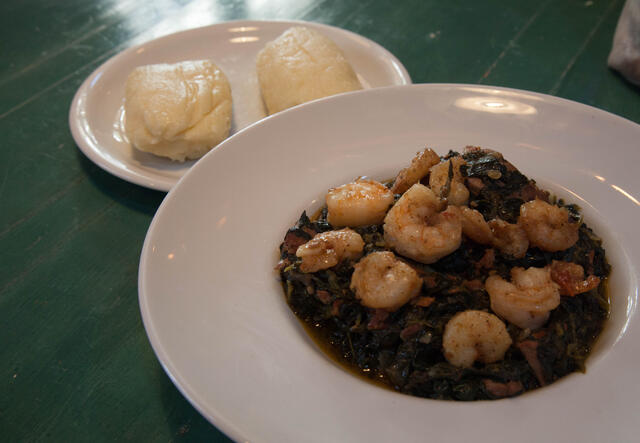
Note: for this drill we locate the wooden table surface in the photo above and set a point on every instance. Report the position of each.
(75, 363)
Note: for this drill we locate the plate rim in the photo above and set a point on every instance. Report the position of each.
(99, 155)
(220, 420)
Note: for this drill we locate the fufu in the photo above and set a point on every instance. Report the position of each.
(179, 111)
(302, 65)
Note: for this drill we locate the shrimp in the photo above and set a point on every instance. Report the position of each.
(475, 227)
(570, 277)
(527, 300)
(457, 194)
(511, 239)
(414, 228)
(419, 167)
(547, 226)
(475, 336)
(360, 203)
(380, 280)
(327, 249)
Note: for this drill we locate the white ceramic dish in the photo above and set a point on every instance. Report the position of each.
(96, 114)
(214, 310)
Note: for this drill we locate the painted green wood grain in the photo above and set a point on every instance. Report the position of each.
(93, 40)
(447, 42)
(538, 59)
(76, 363)
(89, 346)
(82, 355)
(96, 39)
(589, 81)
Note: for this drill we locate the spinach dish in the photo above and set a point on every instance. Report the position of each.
(460, 279)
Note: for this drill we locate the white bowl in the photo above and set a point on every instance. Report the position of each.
(216, 316)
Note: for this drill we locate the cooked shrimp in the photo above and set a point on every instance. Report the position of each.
(475, 336)
(475, 226)
(327, 249)
(380, 280)
(547, 226)
(527, 300)
(457, 194)
(414, 228)
(509, 238)
(412, 174)
(570, 277)
(360, 203)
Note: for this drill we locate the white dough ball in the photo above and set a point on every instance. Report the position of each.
(302, 65)
(179, 111)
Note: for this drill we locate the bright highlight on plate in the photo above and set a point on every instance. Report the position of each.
(502, 106)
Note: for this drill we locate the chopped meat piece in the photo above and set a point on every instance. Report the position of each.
(293, 239)
(410, 331)
(324, 296)
(529, 349)
(531, 192)
(430, 281)
(487, 259)
(335, 307)
(474, 285)
(424, 301)
(378, 319)
(500, 390)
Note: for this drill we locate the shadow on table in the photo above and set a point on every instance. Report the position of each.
(184, 422)
(128, 194)
(632, 86)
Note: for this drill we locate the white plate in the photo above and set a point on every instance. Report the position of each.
(96, 112)
(214, 309)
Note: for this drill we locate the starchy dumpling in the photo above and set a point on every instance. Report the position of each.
(302, 65)
(179, 111)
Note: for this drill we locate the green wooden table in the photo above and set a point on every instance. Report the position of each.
(75, 363)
